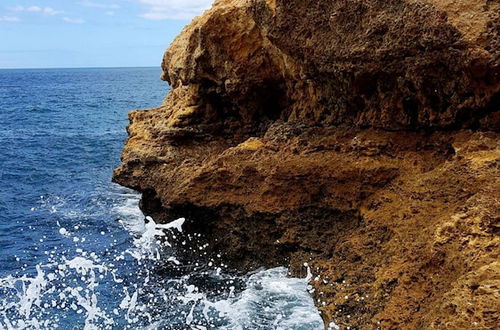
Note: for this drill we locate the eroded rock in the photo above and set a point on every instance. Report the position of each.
(358, 136)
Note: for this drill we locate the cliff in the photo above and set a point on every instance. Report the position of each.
(358, 136)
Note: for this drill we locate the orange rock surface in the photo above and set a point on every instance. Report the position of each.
(359, 137)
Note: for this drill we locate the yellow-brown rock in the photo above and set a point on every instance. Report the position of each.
(358, 136)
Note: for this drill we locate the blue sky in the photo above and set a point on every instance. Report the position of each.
(90, 33)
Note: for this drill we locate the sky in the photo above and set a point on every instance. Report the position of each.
(90, 33)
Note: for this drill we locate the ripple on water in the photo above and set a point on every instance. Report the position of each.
(119, 287)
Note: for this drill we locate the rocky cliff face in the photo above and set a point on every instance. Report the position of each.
(358, 136)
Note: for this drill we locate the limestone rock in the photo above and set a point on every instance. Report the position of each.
(358, 136)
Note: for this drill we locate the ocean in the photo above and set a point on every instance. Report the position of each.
(75, 250)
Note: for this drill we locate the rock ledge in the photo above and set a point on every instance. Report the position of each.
(358, 136)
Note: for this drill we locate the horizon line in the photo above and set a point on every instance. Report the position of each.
(81, 67)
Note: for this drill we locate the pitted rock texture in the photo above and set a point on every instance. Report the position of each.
(358, 136)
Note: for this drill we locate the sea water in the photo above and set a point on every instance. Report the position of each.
(75, 250)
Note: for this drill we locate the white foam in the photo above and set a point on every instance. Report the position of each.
(36, 293)
(71, 286)
(30, 295)
(130, 215)
(63, 232)
(147, 245)
(177, 225)
(270, 295)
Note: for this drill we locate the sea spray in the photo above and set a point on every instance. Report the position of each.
(69, 288)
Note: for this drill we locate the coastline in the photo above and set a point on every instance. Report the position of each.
(367, 149)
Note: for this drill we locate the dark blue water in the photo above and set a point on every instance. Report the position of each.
(75, 252)
(61, 136)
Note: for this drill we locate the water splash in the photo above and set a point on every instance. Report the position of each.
(120, 287)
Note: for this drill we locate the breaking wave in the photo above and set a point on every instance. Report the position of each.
(118, 287)
(75, 250)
